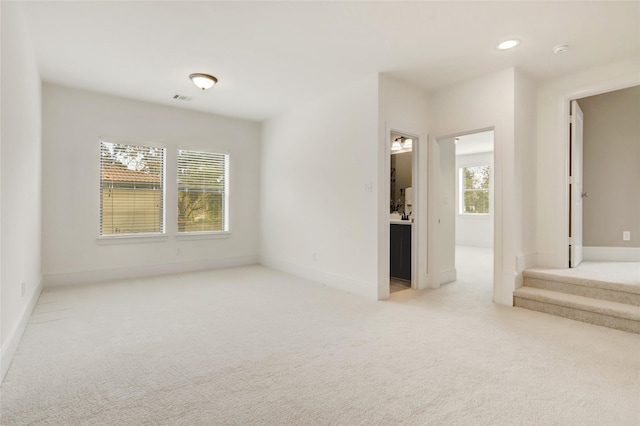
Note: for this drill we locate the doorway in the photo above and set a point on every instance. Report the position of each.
(401, 212)
(604, 207)
(474, 209)
(466, 209)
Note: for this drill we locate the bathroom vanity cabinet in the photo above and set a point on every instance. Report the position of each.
(400, 251)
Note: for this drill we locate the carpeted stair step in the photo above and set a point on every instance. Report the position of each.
(606, 313)
(587, 287)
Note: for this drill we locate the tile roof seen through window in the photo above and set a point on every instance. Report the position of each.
(122, 174)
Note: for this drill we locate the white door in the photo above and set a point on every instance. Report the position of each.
(433, 221)
(575, 187)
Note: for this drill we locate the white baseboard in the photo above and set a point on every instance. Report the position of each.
(551, 260)
(503, 290)
(350, 285)
(448, 276)
(88, 277)
(526, 261)
(611, 254)
(15, 334)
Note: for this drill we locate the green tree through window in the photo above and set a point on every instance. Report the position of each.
(475, 190)
(202, 191)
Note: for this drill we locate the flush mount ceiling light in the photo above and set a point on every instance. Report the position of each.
(203, 81)
(508, 44)
(561, 48)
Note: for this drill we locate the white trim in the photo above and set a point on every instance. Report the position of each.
(131, 238)
(461, 189)
(483, 216)
(85, 277)
(611, 254)
(500, 281)
(213, 235)
(132, 141)
(524, 261)
(448, 276)
(585, 90)
(340, 282)
(503, 291)
(415, 211)
(15, 335)
(116, 140)
(418, 278)
(384, 229)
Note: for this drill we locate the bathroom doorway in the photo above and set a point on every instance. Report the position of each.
(401, 212)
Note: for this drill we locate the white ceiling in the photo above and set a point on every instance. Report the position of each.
(475, 143)
(270, 56)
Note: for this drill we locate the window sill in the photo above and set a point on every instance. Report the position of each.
(186, 236)
(131, 239)
(480, 216)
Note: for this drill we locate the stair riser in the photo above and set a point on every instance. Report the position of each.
(580, 290)
(623, 324)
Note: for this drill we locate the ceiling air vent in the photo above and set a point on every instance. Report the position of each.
(181, 97)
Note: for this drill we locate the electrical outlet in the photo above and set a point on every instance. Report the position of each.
(626, 235)
(23, 288)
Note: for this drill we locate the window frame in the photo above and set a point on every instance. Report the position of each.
(462, 190)
(225, 231)
(141, 236)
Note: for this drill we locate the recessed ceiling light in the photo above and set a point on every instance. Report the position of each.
(508, 44)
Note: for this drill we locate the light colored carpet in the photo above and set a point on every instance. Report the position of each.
(620, 272)
(250, 345)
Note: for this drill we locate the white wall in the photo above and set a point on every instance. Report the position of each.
(480, 104)
(319, 189)
(402, 108)
(525, 191)
(73, 122)
(474, 230)
(447, 215)
(553, 98)
(20, 181)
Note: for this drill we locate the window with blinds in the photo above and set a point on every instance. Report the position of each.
(131, 189)
(202, 191)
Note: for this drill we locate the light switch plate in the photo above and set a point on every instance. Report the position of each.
(626, 235)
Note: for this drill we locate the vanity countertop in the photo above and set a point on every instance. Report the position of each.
(400, 222)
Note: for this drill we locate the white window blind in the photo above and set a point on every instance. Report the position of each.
(202, 191)
(131, 189)
(474, 182)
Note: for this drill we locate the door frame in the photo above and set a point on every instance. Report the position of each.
(589, 90)
(433, 230)
(418, 229)
(576, 150)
